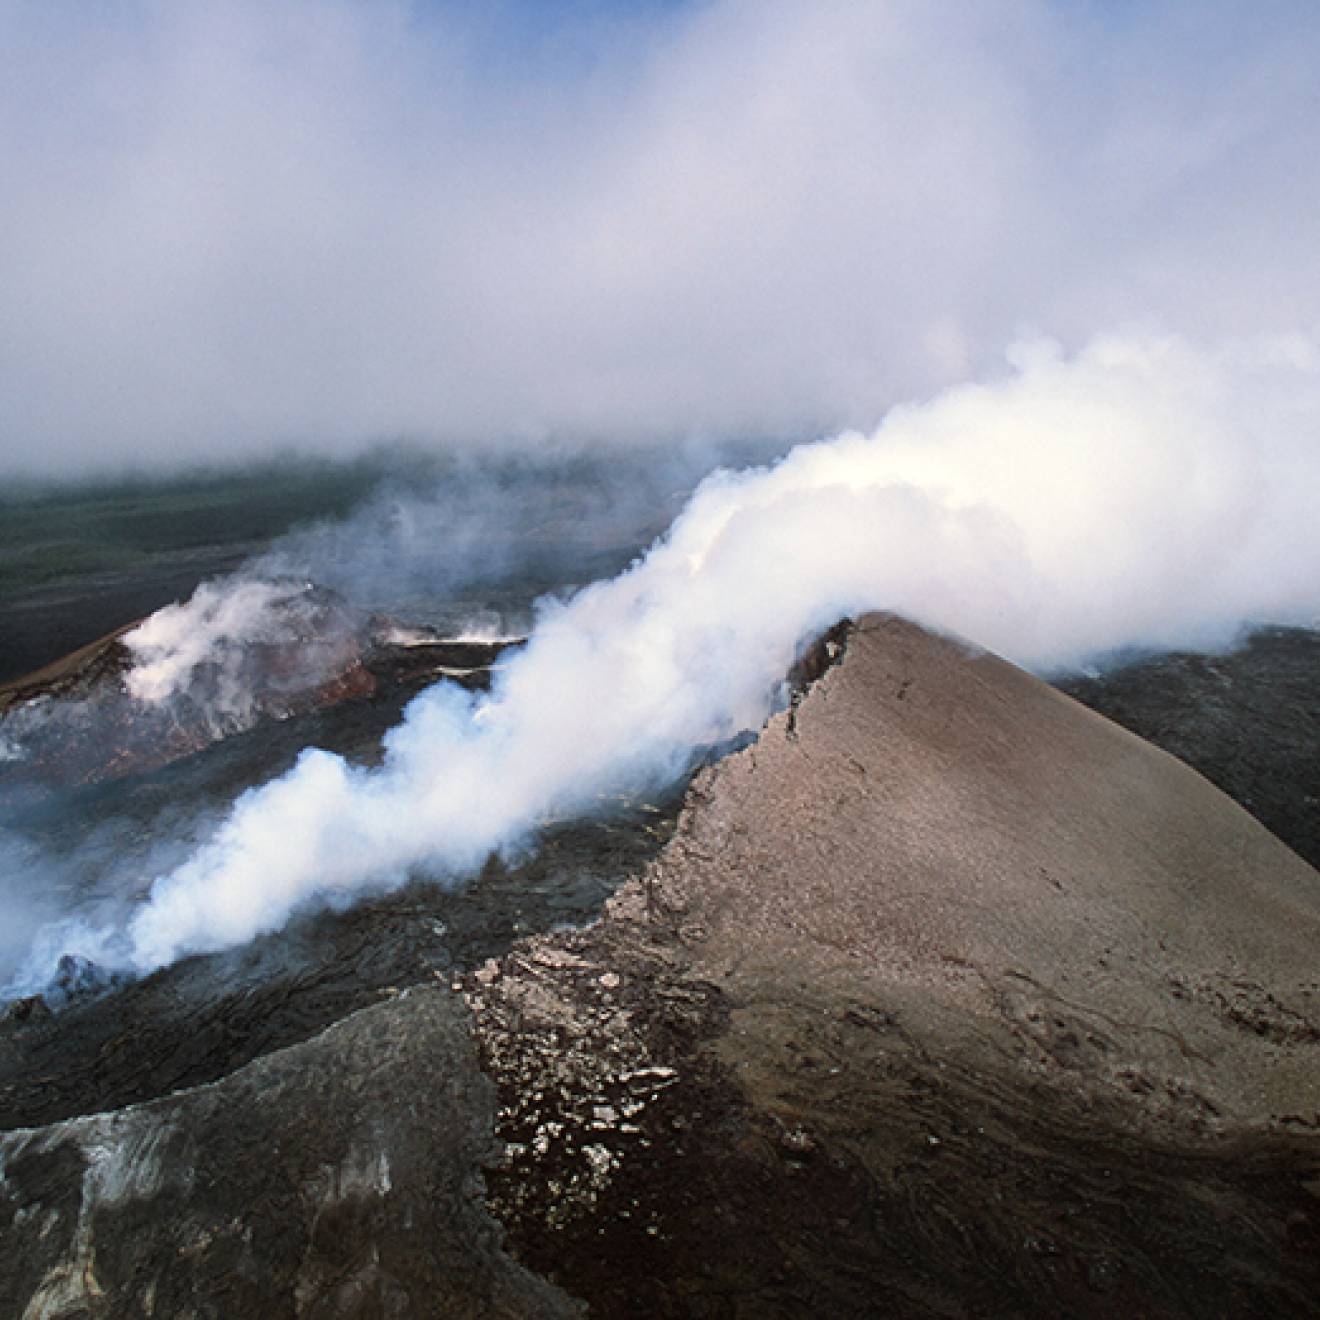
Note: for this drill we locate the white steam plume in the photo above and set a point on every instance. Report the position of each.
(212, 630)
(1145, 491)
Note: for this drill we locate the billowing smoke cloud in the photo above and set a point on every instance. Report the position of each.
(71, 895)
(226, 225)
(1144, 491)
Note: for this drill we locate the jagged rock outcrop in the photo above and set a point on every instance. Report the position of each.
(947, 997)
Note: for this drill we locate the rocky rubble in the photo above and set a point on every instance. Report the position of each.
(583, 1043)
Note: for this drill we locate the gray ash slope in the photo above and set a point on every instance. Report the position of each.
(1249, 720)
(947, 997)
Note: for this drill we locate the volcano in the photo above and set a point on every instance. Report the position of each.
(946, 995)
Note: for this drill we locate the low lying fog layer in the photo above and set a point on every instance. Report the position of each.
(1145, 491)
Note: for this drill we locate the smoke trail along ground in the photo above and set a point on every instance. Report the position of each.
(1144, 492)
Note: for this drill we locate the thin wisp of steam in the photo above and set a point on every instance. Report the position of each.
(1143, 492)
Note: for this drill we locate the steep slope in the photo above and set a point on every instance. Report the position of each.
(1249, 720)
(944, 830)
(961, 998)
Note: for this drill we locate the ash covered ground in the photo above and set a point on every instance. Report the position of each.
(637, 1162)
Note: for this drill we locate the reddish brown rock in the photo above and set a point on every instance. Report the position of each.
(77, 721)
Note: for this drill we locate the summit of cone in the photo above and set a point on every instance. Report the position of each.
(933, 827)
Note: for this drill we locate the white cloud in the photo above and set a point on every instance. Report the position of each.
(227, 226)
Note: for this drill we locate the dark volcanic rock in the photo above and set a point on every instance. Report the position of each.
(204, 1017)
(1248, 720)
(336, 1178)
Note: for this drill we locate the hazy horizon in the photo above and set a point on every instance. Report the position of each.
(231, 230)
